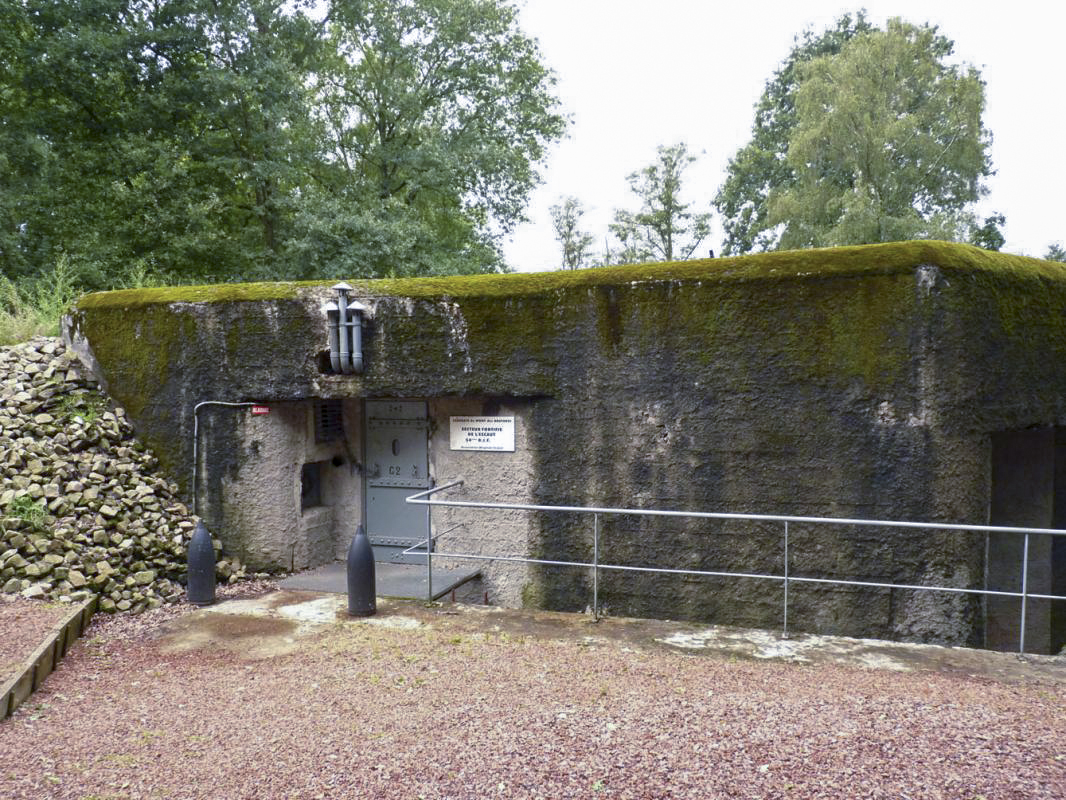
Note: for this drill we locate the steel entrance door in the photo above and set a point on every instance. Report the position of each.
(397, 466)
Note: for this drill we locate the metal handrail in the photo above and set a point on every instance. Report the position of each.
(426, 498)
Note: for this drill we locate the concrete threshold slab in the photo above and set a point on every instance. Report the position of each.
(296, 614)
(392, 580)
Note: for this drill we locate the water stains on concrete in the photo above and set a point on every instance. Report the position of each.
(281, 622)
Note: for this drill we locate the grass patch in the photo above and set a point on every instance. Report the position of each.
(26, 509)
(35, 307)
(83, 405)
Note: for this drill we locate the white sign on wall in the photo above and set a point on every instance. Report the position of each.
(483, 433)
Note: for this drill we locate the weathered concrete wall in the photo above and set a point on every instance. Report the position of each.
(794, 397)
(503, 477)
(854, 382)
(250, 488)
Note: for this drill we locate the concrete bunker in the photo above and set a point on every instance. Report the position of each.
(879, 382)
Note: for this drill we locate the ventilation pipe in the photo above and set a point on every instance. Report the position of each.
(355, 322)
(332, 318)
(345, 320)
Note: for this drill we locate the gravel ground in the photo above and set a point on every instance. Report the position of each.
(397, 708)
(23, 626)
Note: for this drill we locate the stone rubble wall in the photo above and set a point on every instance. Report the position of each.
(83, 509)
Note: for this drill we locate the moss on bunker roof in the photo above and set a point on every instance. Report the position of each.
(877, 259)
(213, 293)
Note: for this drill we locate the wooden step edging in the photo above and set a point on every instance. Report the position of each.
(31, 673)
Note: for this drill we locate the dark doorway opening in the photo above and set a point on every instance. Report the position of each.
(1028, 491)
(311, 485)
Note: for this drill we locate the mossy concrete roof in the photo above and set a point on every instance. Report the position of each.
(857, 261)
(978, 337)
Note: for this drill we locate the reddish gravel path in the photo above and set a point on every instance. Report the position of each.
(362, 711)
(24, 624)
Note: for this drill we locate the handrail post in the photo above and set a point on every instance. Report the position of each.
(429, 549)
(1025, 592)
(784, 631)
(596, 567)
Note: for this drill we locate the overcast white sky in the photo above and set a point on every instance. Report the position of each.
(635, 74)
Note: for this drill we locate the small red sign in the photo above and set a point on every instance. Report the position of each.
(258, 410)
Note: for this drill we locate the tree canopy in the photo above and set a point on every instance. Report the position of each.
(574, 243)
(761, 165)
(664, 228)
(865, 135)
(247, 139)
(1055, 252)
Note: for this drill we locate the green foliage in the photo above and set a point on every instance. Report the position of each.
(53, 293)
(664, 229)
(169, 132)
(208, 140)
(18, 322)
(864, 136)
(888, 144)
(762, 165)
(1055, 252)
(140, 275)
(990, 235)
(34, 306)
(436, 111)
(576, 245)
(28, 511)
(84, 405)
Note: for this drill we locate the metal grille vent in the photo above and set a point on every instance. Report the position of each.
(329, 420)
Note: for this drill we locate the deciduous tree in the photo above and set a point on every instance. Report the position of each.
(762, 165)
(888, 144)
(990, 234)
(436, 112)
(575, 244)
(171, 132)
(246, 139)
(865, 135)
(1055, 252)
(665, 228)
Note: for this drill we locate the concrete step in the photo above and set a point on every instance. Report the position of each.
(392, 580)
